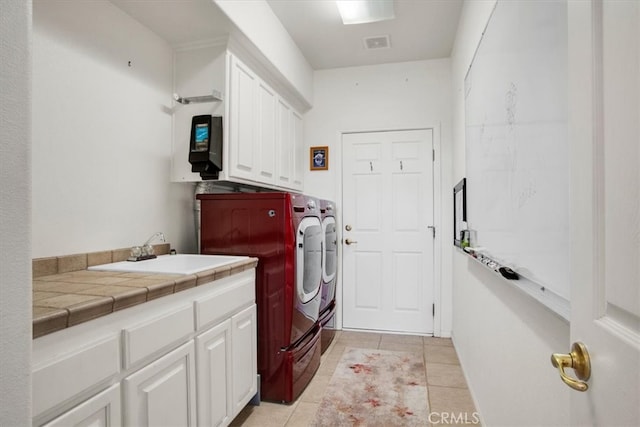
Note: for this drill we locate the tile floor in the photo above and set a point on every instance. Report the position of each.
(449, 396)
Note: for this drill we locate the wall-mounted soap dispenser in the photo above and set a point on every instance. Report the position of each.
(205, 148)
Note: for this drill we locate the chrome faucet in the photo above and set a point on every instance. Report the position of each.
(139, 253)
(159, 234)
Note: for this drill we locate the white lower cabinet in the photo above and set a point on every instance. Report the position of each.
(101, 410)
(227, 368)
(189, 359)
(163, 393)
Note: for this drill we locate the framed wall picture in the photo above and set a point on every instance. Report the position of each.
(319, 158)
(459, 210)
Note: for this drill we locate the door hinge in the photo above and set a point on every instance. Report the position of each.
(433, 310)
(433, 155)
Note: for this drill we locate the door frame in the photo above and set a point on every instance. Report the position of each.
(441, 295)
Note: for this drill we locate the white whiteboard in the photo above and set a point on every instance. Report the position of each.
(517, 150)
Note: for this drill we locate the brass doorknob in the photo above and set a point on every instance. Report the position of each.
(579, 361)
(350, 242)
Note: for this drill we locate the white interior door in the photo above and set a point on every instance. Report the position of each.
(604, 49)
(388, 252)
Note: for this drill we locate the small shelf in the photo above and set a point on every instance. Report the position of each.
(552, 301)
(216, 96)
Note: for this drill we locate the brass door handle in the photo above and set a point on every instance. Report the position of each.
(579, 361)
(350, 242)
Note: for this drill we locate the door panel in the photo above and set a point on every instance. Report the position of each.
(244, 360)
(163, 392)
(388, 253)
(368, 275)
(214, 361)
(285, 146)
(367, 207)
(406, 267)
(299, 159)
(266, 133)
(243, 120)
(604, 47)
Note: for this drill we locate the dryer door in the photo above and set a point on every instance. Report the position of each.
(309, 241)
(330, 253)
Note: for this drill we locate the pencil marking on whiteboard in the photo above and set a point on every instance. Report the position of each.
(511, 101)
(526, 194)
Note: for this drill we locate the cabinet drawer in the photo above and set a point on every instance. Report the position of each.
(224, 304)
(146, 338)
(74, 373)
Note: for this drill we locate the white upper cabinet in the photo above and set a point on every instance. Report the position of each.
(265, 132)
(262, 132)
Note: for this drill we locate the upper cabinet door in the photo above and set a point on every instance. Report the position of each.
(266, 134)
(285, 145)
(242, 120)
(299, 160)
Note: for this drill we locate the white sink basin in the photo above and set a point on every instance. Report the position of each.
(172, 264)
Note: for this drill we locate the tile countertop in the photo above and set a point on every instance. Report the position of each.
(67, 299)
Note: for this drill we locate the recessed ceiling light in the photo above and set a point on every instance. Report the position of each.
(365, 11)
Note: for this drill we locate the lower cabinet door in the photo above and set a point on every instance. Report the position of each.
(213, 349)
(163, 393)
(245, 357)
(101, 410)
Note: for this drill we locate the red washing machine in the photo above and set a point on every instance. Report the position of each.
(329, 273)
(284, 231)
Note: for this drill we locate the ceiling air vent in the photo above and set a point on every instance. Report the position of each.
(377, 42)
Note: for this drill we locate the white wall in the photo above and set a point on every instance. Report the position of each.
(504, 339)
(102, 133)
(383, 97)
(15, 207)
(261, 26)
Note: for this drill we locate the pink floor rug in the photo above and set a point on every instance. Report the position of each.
(375, 388)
